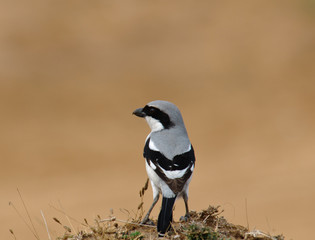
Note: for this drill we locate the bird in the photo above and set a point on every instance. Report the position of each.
(169, 159)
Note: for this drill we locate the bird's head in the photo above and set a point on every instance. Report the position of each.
(160, 115)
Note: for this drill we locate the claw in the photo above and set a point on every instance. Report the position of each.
(147, 221)
(184, 218)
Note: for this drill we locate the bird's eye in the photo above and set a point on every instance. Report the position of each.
(152, 110)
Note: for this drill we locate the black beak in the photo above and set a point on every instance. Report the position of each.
(139, 112)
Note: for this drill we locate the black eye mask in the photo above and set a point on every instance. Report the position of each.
(158, 115)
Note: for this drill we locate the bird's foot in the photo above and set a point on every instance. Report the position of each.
(184, 218)
(147, 221)
(161, 236)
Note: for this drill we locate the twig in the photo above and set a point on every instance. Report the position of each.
(11, 231)
(28, 226)
(63, 212)
(123, 221)
(246, 214)
(204, 220)
(217, 225)
(218, 213)
(268, 225)
(29, 217)
(49, 237)
(68, 219)
(257, 233)
(107, 220)
(176, 233)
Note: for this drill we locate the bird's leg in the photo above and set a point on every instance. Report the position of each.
(187, 215)
(186, 206)
(146, 218)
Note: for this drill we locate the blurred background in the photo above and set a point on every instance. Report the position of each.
(242, 73)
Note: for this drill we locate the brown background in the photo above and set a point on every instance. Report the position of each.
(242, 73)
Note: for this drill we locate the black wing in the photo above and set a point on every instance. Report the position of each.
(179, 162)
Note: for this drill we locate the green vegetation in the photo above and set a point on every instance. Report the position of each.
(194, 232)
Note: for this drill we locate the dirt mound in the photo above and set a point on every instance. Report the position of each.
(207, 224)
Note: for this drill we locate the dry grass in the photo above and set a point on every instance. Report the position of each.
(207, 224)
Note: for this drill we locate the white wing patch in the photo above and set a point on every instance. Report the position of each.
(189, 148)
(152, 146)
(192, 168)
(152, 165)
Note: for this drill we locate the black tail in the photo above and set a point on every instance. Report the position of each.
(166, 215)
